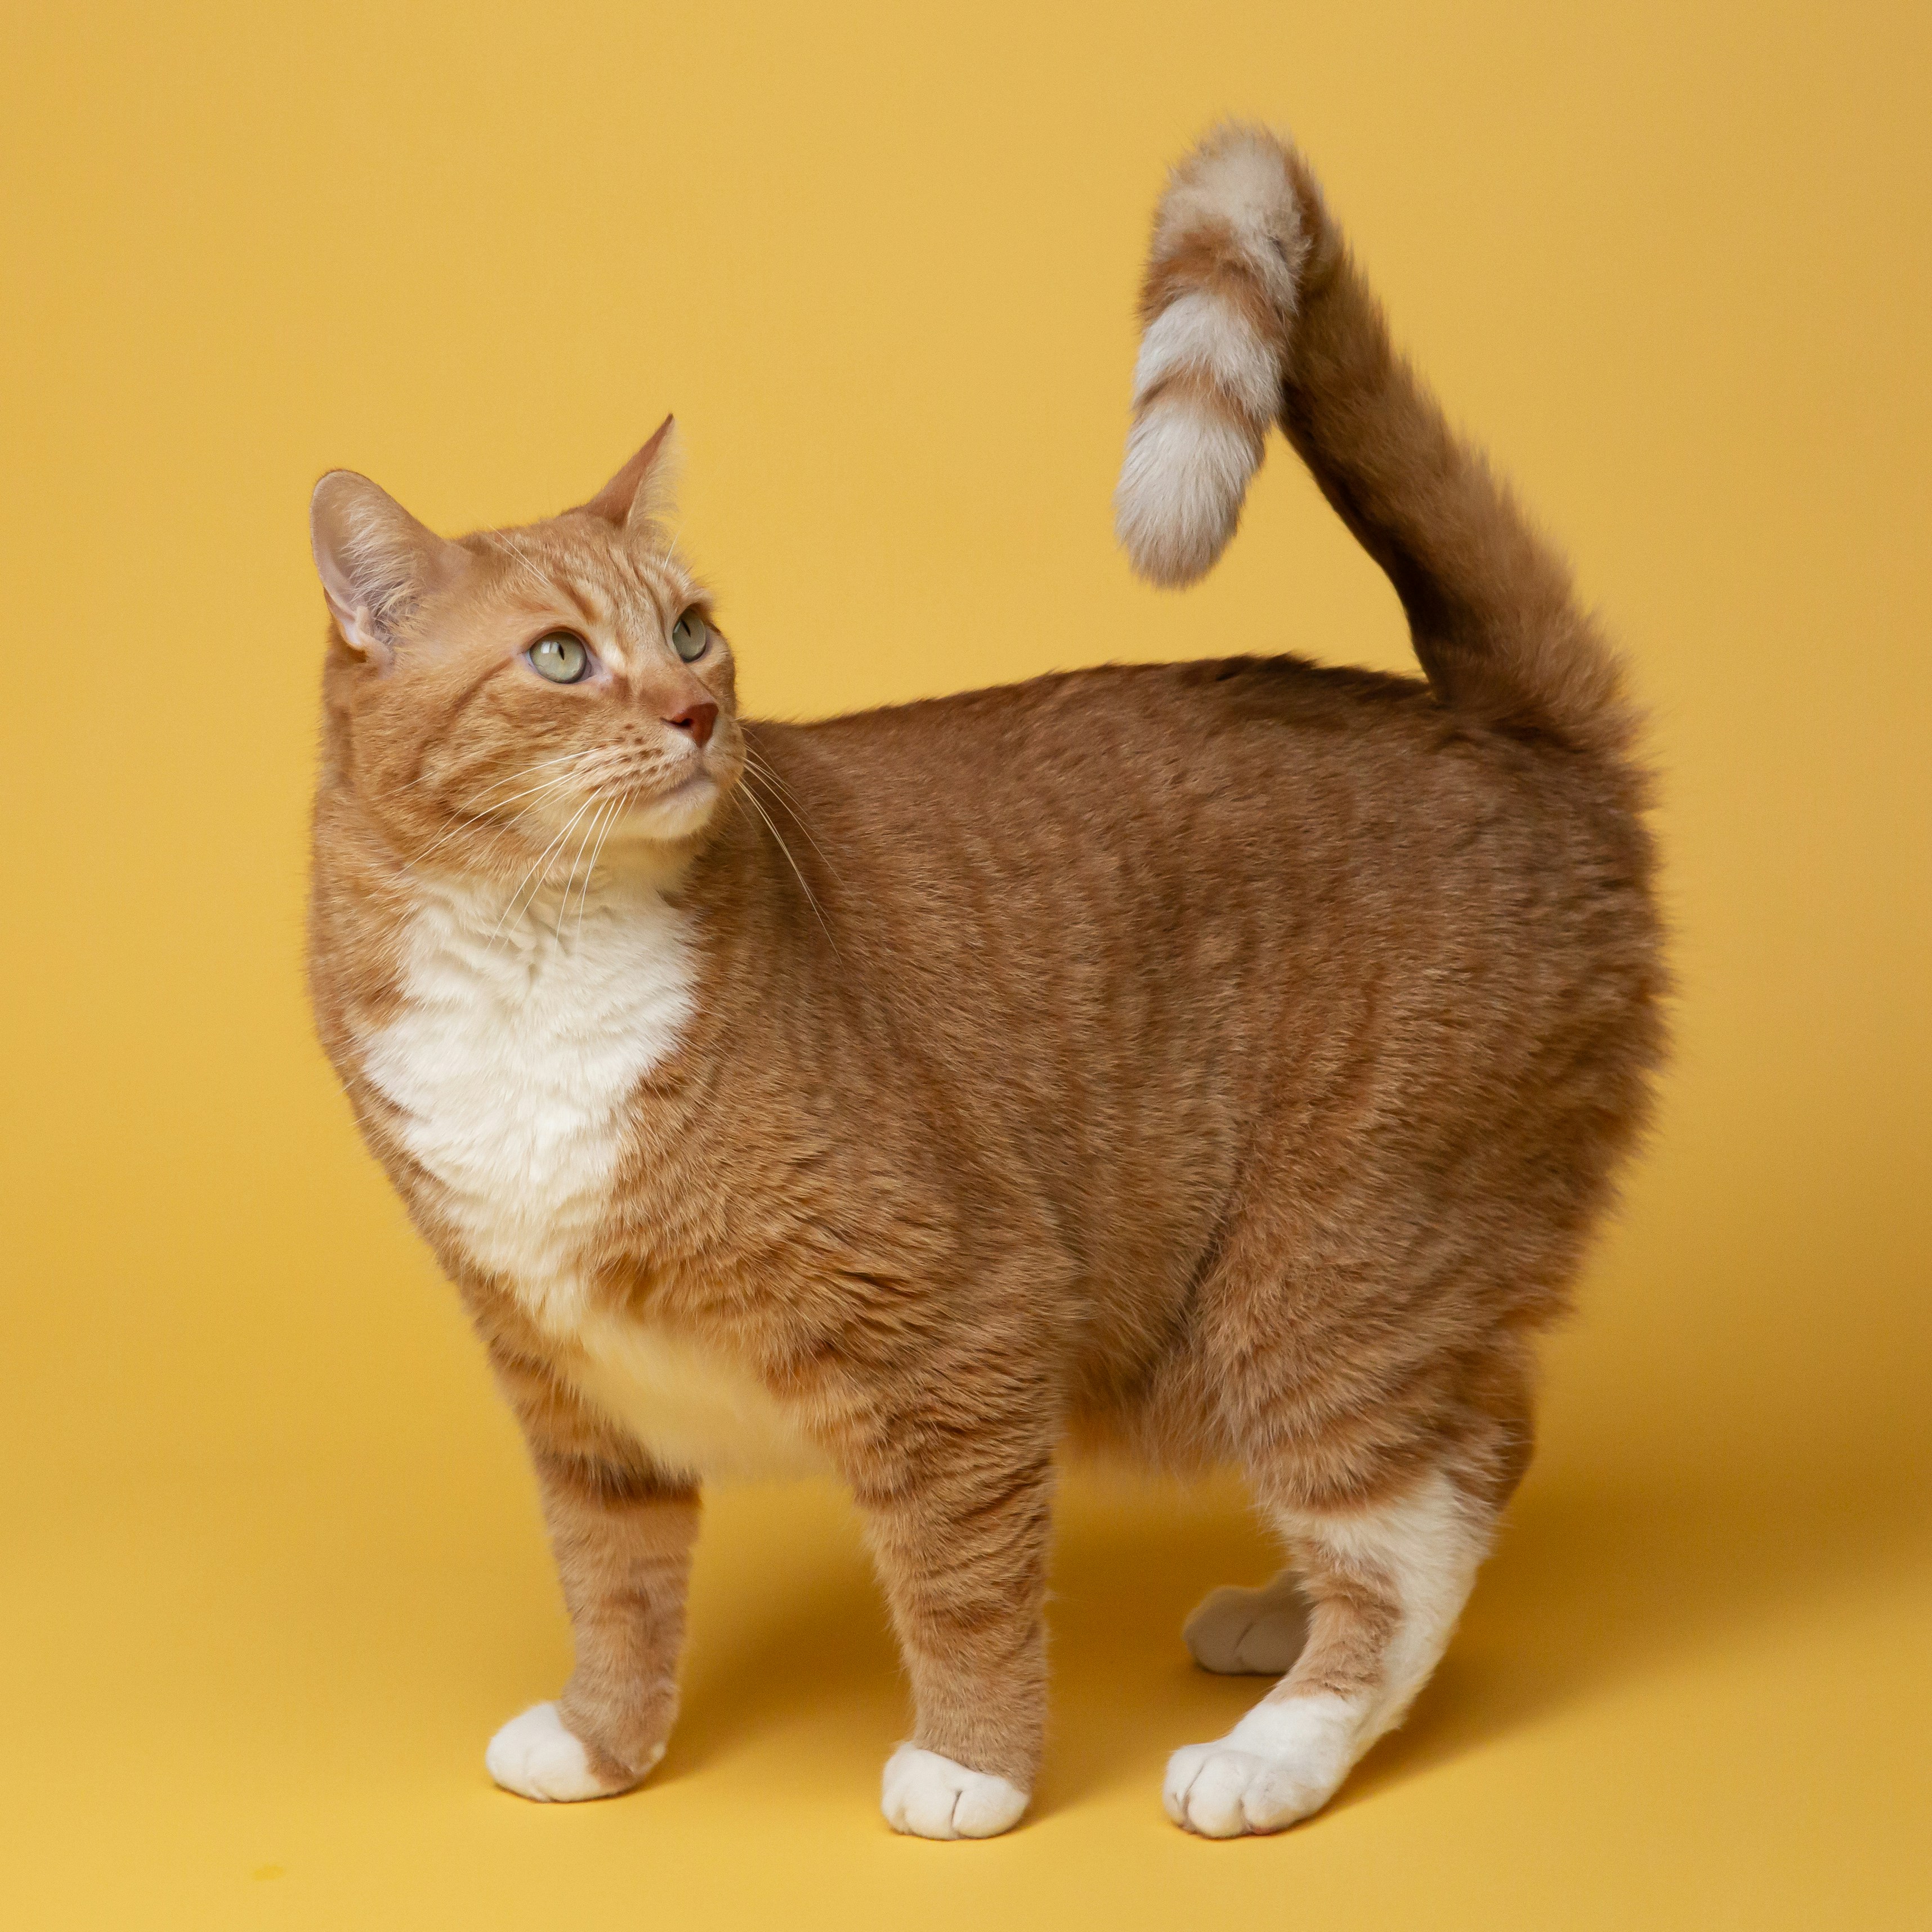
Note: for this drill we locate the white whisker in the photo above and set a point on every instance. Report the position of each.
(610, 817)
(541, 864)
(600, 803)
(811, 898)
(512, 548)
(469, 821)
(755, 768)
(541, 763)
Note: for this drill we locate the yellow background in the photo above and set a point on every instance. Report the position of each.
(272, 1567)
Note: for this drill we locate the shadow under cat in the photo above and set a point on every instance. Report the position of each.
(1592, 1583)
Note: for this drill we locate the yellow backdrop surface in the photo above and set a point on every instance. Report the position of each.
(272, 1567)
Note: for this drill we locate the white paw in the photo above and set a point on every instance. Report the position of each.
(536, 1757)
(1249, 1632)
(931, 1797)
(1282, 1762)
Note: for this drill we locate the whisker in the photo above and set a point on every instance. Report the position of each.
(466, 821)
(482, 807)
(759, 762)
(756, 760)
(515, 550)
(757, 774)
(541, 862)
(576, 850)
(810, 899)
(487, 798)
(422, 777)
(482, 816)
(577, 858)
(604, 829)
(783, 797)
(779, 789)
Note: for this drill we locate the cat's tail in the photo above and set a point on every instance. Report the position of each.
(1255, 312)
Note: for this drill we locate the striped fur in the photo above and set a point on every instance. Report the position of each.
(1217, 304)
(1255, 312)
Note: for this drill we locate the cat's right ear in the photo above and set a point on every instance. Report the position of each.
(375, 560)
(644, 490)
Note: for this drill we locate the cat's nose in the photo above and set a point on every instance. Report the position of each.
(697, 719)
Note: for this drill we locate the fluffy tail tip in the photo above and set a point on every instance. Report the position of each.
(1229, 240)
(1181, 492)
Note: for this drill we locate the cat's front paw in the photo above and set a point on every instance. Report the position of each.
(930, 1796)
(1282, 1762)
(536, 1756)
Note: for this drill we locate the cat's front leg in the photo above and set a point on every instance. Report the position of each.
(622, 1532)
(960, 1539)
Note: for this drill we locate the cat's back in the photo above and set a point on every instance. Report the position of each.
(1267, 786)
(1220, 867)
(1110, 723)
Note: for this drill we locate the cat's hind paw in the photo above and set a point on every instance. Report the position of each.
(535, 1756)
(930, 1796)
(1249, 1632)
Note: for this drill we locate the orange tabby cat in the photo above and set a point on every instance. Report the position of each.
(1225, 1062)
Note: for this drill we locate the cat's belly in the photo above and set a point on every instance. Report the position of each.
(696, 1412)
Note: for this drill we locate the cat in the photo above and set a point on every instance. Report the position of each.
(1219, 1063)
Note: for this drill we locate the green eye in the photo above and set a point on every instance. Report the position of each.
(559, 657)
(689, 635)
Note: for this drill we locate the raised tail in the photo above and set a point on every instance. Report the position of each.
(1254, 312)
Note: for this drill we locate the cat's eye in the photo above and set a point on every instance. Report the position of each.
(559, 657)
(689, 635)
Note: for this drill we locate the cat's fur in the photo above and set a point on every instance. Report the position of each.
(1224, 1062)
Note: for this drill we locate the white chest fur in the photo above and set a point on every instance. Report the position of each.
(513, 1061)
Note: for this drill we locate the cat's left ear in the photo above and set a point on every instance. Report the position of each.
(646, 488)
(376, 563)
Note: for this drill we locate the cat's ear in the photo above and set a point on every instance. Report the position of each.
(646, 488)
(374, 559)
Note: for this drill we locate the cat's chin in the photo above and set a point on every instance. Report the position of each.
(673, 817)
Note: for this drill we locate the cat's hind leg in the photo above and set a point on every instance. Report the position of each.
(1385, 1583)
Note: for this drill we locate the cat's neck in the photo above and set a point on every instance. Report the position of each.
(515, 926)
(375, 910)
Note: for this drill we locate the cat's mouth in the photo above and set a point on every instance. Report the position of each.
(699, 779)
(635, 784)
(659, 810)
(614, 796)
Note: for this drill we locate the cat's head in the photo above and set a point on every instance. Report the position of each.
(524, 697)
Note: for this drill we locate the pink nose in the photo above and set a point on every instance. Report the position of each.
(697, 719)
